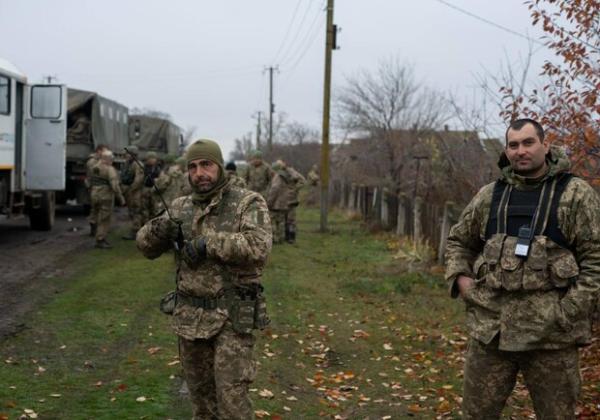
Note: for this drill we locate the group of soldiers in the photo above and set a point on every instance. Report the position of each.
(146, 186)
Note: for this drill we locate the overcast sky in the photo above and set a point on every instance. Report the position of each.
(202, 61)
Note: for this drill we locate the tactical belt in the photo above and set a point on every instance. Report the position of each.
(203, 302)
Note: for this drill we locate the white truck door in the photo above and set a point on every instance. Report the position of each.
(46, 137)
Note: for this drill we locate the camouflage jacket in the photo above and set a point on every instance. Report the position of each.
(169, 183)
(278, 197)
(237, 230)
(105, 182)
(258, 178)
(298, 182)
(138, 180)
(545, 301)
(237, 181)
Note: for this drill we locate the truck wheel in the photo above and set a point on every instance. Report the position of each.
(42, 217)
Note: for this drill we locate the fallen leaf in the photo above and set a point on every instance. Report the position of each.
(55, 395)
(261, 414)
(265, 393)
(140, 399)
(153, 350)
(387, 346)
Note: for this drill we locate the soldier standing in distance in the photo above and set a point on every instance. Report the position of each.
(105, 187)
(227, 239)
(132, 182)
(93, 160)
(258, 174)
(231, 169)
(297, 183)
(525, 258)
(151, 172)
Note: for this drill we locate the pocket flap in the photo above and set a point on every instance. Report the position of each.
(565, 266)
(493, 249)
(510, 261)
(538, 256)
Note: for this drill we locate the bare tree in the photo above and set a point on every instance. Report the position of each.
(389, 98)
(299, 133)
(243, 146)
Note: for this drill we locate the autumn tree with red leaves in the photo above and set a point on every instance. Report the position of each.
(569, 104)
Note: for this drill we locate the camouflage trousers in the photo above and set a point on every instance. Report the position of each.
(134, 207)
(218, 372)
(101, 215)
(290, 222)
(551, 376)
(278, 224)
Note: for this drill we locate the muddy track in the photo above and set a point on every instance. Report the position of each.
(33, 264)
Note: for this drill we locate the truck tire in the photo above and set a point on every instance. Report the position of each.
(42, 217)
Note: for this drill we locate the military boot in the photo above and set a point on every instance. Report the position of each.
(92, 229)
(292, 238)
(103, 244)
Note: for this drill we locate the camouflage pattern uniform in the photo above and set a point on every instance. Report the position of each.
(104, 187)
(298, 182)
(169, 183)
(133, 197)
(149, 198)
(278, 200)
(92, 161)
(237, 181)
(258, 177)
(217, 360)
(527, 315)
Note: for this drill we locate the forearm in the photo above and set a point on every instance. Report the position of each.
(239, 248)
(149, 243)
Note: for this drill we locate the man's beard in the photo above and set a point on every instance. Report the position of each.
(206, 186)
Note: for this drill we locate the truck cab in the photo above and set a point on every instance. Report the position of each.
(32, 146)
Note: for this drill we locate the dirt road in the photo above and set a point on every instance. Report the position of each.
(31, 261)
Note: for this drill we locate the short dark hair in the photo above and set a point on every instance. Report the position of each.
(230, 166)
(522, 122)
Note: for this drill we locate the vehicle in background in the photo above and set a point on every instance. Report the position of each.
(92, 120)
(155, 134)
(32, 147)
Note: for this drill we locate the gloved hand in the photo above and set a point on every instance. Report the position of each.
(194, 252)
(167, 229)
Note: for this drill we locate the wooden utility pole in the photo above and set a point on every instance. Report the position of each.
(329, 47)
(258, 128)
(271, 108)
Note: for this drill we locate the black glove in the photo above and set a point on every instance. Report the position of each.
(194, 252)
(167, 229)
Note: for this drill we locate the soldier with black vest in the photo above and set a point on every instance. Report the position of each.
(151, 173)
(525, 258)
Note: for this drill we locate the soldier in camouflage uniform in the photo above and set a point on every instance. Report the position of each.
(104, 188)
(169, 183)
(93, 160)
(132, 182)
(226, 242)
(282, 199)
(258, 174)
(298, 181)
(231, 169)
(151, 172)
(525, 258)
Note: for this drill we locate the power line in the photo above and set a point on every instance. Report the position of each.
(308, 39)
(489, 22)
(310, 43)
(287, 32)
(293, 42)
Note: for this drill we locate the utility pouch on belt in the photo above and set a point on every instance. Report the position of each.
(242, 313)
(249, 311)
(168, 302)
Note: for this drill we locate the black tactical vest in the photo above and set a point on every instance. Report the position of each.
(521, 207)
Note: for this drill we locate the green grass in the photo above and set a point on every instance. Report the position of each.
(351, 336)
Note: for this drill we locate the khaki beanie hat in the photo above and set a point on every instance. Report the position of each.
(204, 149)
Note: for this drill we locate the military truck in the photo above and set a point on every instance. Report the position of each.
(155, 134)
(92, 120)
(32, 146)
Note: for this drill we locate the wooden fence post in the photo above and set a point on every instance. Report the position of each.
(401, 223)
(418, 224)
